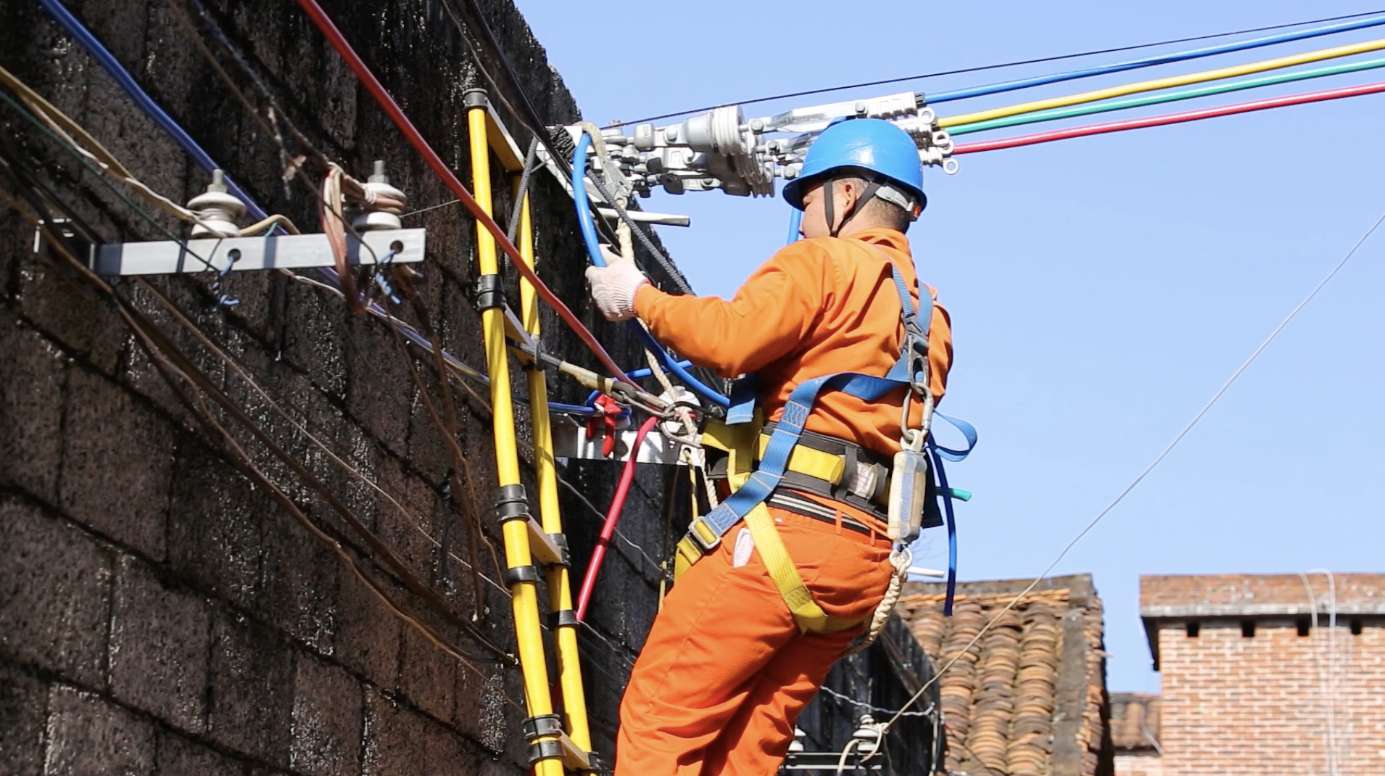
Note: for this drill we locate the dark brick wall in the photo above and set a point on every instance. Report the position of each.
(161, 613)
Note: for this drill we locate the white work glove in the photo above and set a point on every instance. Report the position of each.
(613, 289)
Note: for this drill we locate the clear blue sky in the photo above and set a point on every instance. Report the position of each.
(1101, 289)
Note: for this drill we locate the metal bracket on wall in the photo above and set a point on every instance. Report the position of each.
(572, 440)
(63, 226)
(828, 762)
(239, 254)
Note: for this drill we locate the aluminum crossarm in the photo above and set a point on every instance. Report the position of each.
(240, 254)
(571, 440)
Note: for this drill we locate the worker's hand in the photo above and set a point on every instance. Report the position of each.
(613, 289)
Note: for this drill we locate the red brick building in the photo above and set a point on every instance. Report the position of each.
(1267, 673)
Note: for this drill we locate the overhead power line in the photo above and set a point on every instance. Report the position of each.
(1172, 118)
(995, 66)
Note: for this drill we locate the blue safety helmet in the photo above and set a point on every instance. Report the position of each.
(881, 151)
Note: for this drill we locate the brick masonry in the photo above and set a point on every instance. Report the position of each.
(1260, 692)
(159, 611)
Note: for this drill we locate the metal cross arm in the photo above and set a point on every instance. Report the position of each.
(237, 254)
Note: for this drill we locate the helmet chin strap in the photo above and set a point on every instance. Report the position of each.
(829, 205)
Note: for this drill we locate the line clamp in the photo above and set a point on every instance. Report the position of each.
(489, 294)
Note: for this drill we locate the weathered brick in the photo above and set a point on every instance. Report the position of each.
(299, 582)
(327, 720)
(482, 713)
(117, 464)
(426, 675)
(88, 735)
(368, 633)
(217, 525)
(31, 435)
(158, 649)
(379, 384)
(55, 594)
(314, 329)
(23, 709)
(178, 755)
(73, 312)
(251, 689)
(408, 531)
(399, 741)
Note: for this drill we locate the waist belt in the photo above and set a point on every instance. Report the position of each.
(840, 470)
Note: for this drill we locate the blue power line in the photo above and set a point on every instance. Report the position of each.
(588, 227)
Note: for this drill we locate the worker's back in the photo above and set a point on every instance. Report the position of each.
(857, 329)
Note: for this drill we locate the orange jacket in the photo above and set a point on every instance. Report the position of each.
(816, 307)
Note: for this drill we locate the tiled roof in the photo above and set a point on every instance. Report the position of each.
(1029, 697)
(1250, 595)
(1135, 722)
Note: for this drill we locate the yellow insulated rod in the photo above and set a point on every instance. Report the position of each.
(559, 580)
(518, 559)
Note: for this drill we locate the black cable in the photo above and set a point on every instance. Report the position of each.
(534, 122)
(981, 68)
(517, 210)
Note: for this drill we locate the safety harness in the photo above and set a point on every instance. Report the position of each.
(739, 435)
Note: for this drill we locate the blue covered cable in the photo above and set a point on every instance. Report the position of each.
(946, 494)
(103, 56)
(588, 227)
(1160, 59)
(795, 221)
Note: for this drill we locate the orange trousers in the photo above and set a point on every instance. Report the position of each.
(725, 671)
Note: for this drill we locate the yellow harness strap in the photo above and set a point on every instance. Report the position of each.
(738, 441)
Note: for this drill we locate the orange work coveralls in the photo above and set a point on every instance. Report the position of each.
(725, 671)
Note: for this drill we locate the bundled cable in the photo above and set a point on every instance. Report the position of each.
(1165, 83)
(1166, 120)
(1057, 114)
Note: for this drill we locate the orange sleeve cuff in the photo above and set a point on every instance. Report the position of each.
(645, 301)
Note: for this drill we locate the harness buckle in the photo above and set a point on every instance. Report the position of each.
(703, 535)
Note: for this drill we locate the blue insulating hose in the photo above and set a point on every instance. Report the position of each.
(141, 98)
(633, 374)
(1160, 59)
(946, 493)
(571, 409)
(795, 220)
(588, 227)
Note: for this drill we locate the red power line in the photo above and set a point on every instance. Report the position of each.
(608, 528)
(435, 162)
(1172, 118)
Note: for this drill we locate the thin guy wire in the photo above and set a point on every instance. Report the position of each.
(839, 697)
(1197, 418)
(982, 68)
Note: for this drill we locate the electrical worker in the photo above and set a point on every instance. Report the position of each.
(726, 668)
